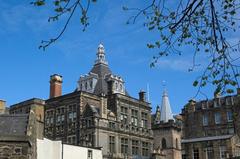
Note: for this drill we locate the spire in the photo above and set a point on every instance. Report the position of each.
(101, 55)
(166, 112)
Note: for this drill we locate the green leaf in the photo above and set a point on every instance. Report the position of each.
(195, 83)
(124, 8)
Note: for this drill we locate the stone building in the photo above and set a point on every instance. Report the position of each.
(211, 128)
(34, 104)
(100, 113)
(18, 136)
(3, 108)
(167, 131)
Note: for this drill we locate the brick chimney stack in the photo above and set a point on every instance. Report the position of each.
(142, 95)
(2, 106)
(55, 85)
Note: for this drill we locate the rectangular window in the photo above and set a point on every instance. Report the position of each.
(124, 145)
(184, 156)
(145, 148)
(134, 118)
(112, 144)
(223, 152)
(195, 153)
(229, 116)
(231, 131)
(205, 120)
(62, 118)
(69, 139)
(73, 140)
(216, 102)
(144, 122)
(70, 116)
(217, 117)
(124, 115)
(112, 125)
(51, 120)
(74, 115)
(135, 147)
(229, 101)
(209, 153)
(204, 105)
(58, 118)
(90, 155)
(47, 121)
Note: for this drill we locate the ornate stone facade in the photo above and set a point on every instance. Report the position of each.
(211, 128)
(100, 113)
(167, 132)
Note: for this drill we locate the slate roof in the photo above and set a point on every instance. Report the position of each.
(166, 112)
(91, 110)
(15, 125)
(208, 138)
(95, 110)
(101, 70)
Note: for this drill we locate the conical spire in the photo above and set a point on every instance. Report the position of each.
(101, 55)
(166, 112)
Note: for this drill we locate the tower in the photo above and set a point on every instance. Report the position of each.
(96, 81)
(167, 132)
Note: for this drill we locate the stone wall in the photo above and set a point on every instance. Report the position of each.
(15, 150)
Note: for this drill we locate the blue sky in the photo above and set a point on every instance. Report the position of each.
(25, 69)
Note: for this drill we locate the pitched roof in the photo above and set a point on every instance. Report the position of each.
(15, 125)
(166, 112)
(91, 110)
(101, 70)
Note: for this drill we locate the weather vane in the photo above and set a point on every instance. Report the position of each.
(164, 83)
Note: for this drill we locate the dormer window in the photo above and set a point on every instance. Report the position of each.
(120, 86)
(85, 85)
(116, 86)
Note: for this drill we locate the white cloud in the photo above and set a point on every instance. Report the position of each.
(182, 64)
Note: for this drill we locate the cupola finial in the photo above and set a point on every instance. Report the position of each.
(101, 54)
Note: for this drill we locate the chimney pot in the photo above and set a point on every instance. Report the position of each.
(55, 85)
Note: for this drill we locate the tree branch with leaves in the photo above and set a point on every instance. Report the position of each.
(68, 8)
(203, 25)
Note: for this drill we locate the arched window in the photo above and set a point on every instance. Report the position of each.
(81, 86)
(91, 84)
(164, 143)
(121, 87)
(176, 143)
